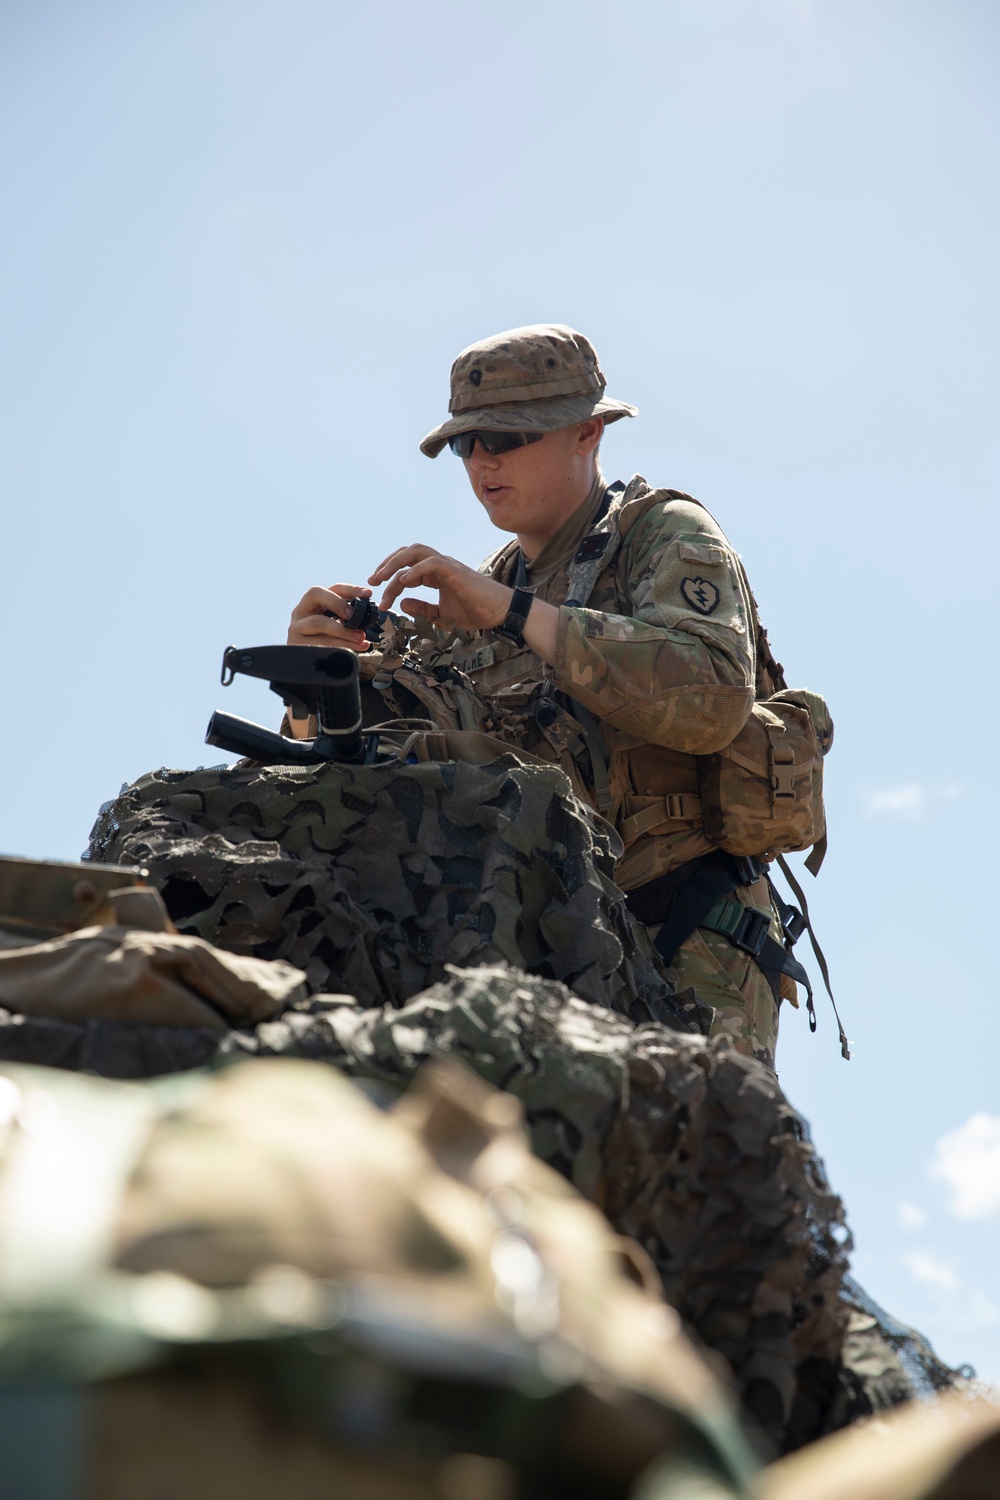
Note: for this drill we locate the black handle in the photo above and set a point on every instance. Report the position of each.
(243, 737)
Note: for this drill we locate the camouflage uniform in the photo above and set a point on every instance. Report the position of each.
(662, 652)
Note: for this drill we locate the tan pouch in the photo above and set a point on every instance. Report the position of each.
(162, 978)
(763, 793)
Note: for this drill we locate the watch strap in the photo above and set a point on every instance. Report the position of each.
(512, 627)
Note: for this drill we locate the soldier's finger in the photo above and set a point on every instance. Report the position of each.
(396, 559)
(391, 592)
(334, 600)
(423, 574)
(420, 609)
(313, 602)
(323, 630)
(403, 557)
(348, 591)
(320, 601)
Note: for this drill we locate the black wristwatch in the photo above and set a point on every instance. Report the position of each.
(512, 627)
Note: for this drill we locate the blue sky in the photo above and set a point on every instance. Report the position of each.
(243, 242)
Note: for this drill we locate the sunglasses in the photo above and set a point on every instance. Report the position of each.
(492, 443)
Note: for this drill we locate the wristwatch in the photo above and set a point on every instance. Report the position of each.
(512, 627)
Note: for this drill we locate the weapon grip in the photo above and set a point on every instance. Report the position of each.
(242, 737)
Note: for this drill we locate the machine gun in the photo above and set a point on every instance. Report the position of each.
(309, 680)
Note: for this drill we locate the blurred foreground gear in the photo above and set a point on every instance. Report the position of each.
(948, 1449)
(259, 1283)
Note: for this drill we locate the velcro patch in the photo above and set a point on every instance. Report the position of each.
(697, 580)
(702, 552)
(592, 546)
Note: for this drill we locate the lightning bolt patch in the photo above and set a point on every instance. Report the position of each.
(700, 594)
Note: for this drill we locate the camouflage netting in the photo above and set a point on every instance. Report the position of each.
(397, 885)
(894, 1362)
(687, 1146)
(372, 878)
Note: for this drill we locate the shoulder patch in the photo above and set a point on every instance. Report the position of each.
(700, 593)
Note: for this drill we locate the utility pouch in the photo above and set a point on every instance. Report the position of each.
(763, 793)
(445, 698)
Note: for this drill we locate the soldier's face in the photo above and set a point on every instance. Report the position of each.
(528, 490)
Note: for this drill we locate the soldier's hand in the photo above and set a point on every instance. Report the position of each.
(317, 619)
(466, 599)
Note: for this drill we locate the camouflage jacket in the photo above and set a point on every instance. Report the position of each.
(661, 651)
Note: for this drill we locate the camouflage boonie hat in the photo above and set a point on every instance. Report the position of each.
(533, 379)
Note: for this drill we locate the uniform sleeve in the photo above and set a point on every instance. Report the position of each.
(678, 669)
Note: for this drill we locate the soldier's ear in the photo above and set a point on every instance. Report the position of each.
(590, 434)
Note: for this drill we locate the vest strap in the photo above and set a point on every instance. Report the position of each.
(750, 931)
(682, 899)
(694, 895)
(649, 814)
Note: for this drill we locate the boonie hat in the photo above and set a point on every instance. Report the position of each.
(533, 379)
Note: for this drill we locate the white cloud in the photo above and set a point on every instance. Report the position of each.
(909, 1216)
(907, 802)
(960, 1304)
(967, 1160)
(930, 1271)
(912, 802)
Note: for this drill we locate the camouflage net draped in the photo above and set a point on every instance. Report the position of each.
(688, 1147)
(894, 1362)
(408, 891)
(372, 878)
(681, 1142)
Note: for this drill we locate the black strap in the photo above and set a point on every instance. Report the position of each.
(773, 958)
(596, 752)
(845, 1046)
(521, 567)
(616, 488)
(511, 628)
(681, 900)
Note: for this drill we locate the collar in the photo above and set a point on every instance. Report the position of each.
(562, 545)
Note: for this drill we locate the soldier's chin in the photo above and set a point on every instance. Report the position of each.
(496, 507)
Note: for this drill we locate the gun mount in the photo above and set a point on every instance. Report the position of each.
(308, 680)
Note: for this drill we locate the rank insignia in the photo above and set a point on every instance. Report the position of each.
(700, 594)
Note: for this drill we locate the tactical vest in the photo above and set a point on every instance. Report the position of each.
(760, 795)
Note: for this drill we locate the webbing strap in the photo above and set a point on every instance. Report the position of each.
(648, 814)
(588, 552)
(816, 858)
(800, 895)
(593, 555)
(693, 897)
(597, 752)
(749, 930)
(681, 901)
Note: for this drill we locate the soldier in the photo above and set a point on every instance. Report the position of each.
(619, 629)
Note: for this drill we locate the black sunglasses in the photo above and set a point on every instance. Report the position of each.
(493, 443)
